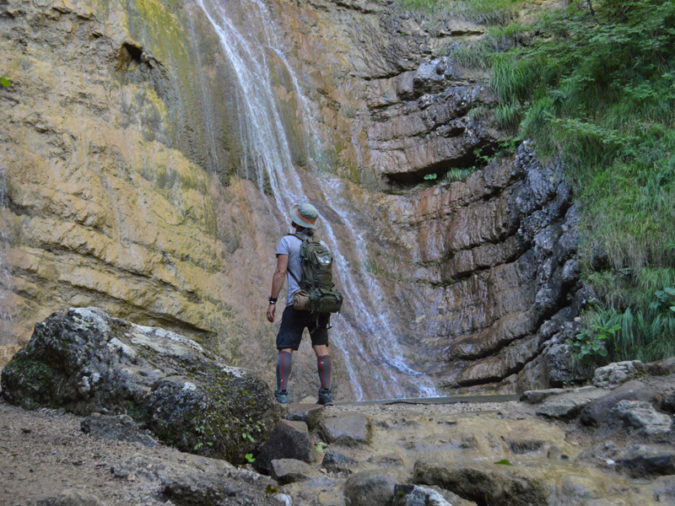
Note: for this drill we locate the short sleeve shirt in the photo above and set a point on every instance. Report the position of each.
(290, 245)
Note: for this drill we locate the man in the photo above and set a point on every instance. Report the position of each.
(294, 321)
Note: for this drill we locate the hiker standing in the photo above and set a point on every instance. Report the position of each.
(293, 321)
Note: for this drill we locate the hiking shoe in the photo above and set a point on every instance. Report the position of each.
(281, 396)
(325, 397)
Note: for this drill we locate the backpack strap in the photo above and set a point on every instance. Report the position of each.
(289, 271)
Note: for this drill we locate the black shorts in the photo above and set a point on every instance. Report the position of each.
(293, 323)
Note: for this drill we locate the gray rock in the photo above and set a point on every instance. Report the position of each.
(201, 480)
(663, 367)
(568, 405)
(415, 495)
(348, 430)
(290, 470)
(483, 485)
(288, 440)
(668, 402)
(369, 488)
(603, 454)
(614, 374)
(596, 414)
(68, 497)
(642, 416)
(538, 396)
(120, 427)
(85, 361)
(641, 460)
(337, 462)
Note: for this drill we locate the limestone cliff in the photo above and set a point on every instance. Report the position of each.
(131, 186)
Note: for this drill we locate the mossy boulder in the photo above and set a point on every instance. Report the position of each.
(85, 361)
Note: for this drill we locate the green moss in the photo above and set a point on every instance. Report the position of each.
(137, 412)
(33, 379)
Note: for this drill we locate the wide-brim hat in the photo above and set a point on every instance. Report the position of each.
(304, 215)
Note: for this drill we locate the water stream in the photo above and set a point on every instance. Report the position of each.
(368, 346)
(5, 279)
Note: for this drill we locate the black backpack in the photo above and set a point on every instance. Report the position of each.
(317, 292)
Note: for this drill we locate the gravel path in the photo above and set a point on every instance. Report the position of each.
(44, 452)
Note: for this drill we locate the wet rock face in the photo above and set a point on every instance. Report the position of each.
(393, 105)
(107, 195)
(498, 256)
(85, 361)
(421, 123)
(487, 277)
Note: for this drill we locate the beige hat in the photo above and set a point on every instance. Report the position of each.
(304, 215)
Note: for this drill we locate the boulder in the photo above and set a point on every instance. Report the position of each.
(337, 462)
(195, 480)
(115, 427)
(642, 416)
(369, 488)
(290, 470)
(617, 373)
(569, 404)
(642, 460)
(288, 440)
(483, 485)
(596, 413)
(85, 361)
(351, 429)
(415, 495)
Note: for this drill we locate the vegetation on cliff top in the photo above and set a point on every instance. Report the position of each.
(593, 83)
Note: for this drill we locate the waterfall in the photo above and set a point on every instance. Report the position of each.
(5, 279)
(362, 335)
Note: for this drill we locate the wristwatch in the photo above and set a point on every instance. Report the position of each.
(272, 300)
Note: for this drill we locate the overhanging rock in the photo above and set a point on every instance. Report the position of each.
(85, 361)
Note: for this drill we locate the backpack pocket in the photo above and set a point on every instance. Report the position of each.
(318, 300)
(301, 300)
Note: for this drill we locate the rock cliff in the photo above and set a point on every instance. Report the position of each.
(128, 187)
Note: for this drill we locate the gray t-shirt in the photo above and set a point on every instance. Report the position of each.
(290, 245)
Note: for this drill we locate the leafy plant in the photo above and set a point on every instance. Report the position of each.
(643, 333)
(589, 344)
(249, 458)
(5, 82)
(504, 462)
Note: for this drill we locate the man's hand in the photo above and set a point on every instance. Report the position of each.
(278, 280)
(270, 312)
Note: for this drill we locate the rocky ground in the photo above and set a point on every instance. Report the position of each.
(609, 442)
(46, 458)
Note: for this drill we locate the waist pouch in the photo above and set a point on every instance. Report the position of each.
(318, 300)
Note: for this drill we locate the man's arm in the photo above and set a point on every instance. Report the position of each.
(278, 279)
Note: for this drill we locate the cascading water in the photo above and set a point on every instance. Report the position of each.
(5, 289)
(369, 347)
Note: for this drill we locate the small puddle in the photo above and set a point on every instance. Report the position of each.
(451, 399)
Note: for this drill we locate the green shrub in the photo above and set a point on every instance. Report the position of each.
(478, 11)
(594, 84)
(598, 90)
